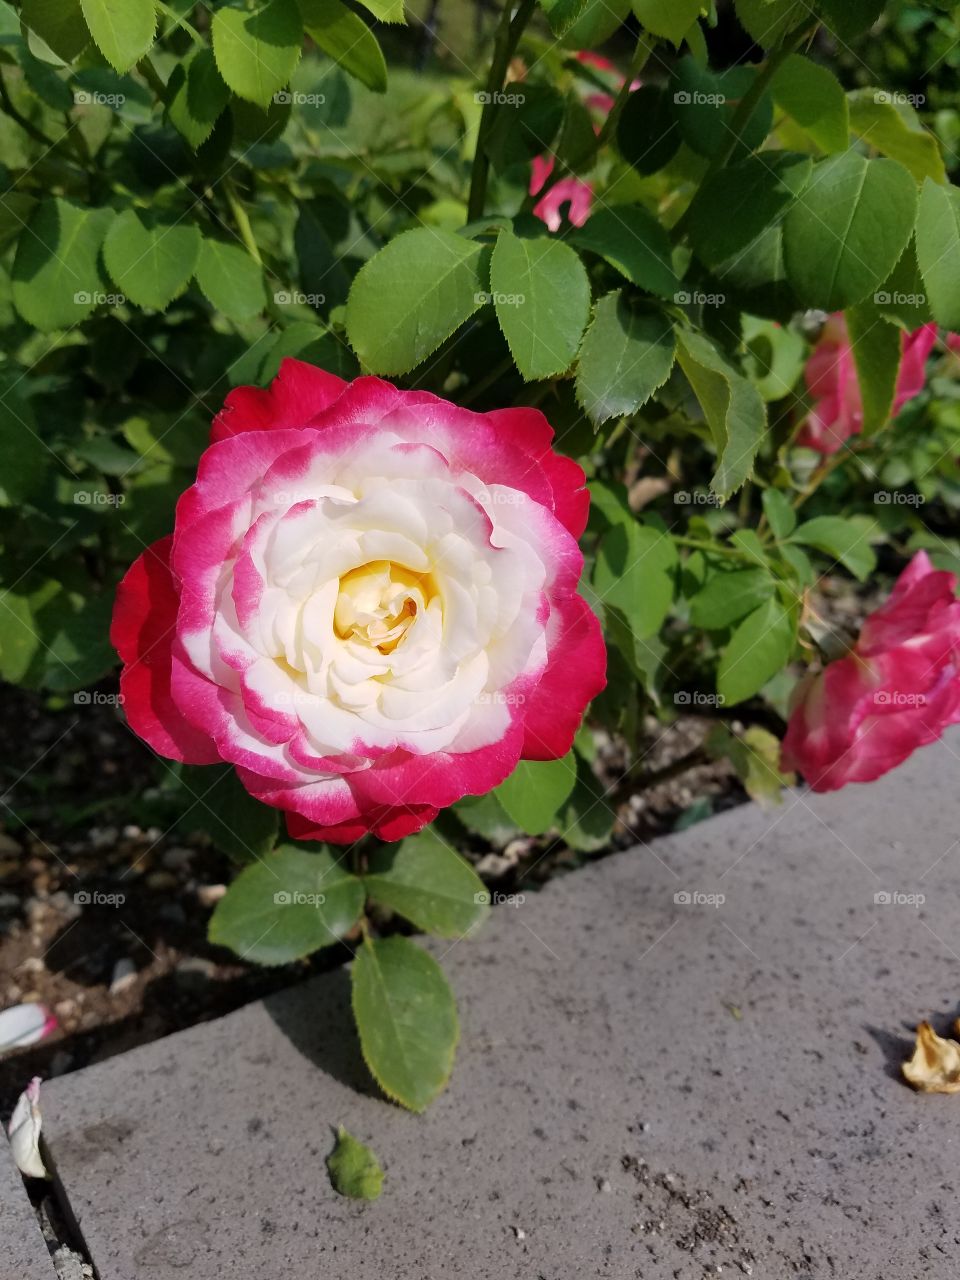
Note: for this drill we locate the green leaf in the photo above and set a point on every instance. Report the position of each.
(19, 642)
(60, 24)
(938, 251)
(386, 10)
(761, 645)
(230, 279)
(586, 822)
(45, 81)
(411, 296)
(288, 905)
(780, 514)
(848, 229)
(704, 106)
(850, 18)
(150, 261)
(354, 1169)
(534, 793)
(220, 805)
(56, 278)
(727, 597)
(877, 349)
(196, 97)
(648, 135)
(840, 538)
(768, 21)
(626, 356)
(428, 883)
(633, 573)
(774, 357)
(542, 298)
(25, 461)
(632, 241)
(814, 98)
(562, 14)
(671, 19)
(123, 30)
(732, 407)
(741, 202)
(348, 40)
(903, 295)
(257, 52)
(595, 23)
(407, 1019)
(896, 131)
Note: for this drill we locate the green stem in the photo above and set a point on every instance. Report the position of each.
(743, 115)
(641, 56)
(152, 77)
(697, 545)
(178, 21)
(240, 218)
(6, 105)
(504, 46)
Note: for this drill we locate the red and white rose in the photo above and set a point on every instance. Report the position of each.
(368, 604)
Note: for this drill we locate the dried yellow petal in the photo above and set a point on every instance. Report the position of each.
(935, 1065)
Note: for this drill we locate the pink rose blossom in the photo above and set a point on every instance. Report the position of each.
(896, 690)
(831, 378)
(368, 604)
(575, 193)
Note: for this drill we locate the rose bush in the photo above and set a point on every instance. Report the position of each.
(368, 604)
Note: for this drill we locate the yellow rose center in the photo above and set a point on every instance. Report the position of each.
(379, 602)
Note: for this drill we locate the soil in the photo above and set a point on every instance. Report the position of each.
(103, 920)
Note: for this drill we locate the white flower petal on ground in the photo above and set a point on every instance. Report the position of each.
(24, 1131)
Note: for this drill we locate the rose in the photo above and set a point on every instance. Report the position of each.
(831, 377)
(896, 690)
(344, 592)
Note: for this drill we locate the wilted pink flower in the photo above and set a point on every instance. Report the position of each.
(896, 690)
(831, 378)
(24, 1024)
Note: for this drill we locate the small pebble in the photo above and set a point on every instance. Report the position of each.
(604, 1185)
(210, 894)
(124, 975)
(519, 1233)
(177, 858)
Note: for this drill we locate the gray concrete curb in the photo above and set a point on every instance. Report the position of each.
(649, 1083)
(23, 1251)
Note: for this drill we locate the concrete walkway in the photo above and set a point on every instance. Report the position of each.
(682, 1061)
